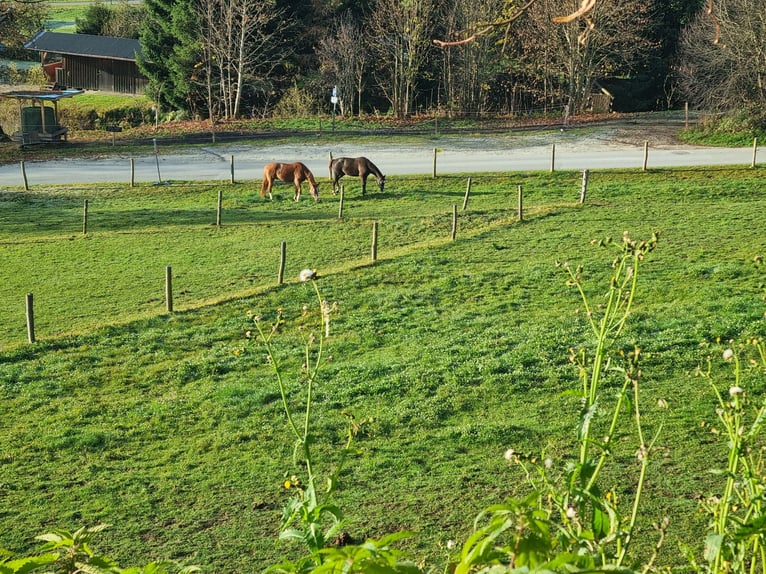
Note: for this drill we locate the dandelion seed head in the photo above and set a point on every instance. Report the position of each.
(735, 390)
(307, 275)
(728, 355)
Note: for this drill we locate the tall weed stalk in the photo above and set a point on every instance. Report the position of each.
(569, 522)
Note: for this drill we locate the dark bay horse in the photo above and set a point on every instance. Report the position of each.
(354, 166)
(296, 173)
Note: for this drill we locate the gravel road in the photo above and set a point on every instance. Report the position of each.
(610, 145)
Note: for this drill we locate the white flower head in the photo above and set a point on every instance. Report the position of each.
(734, 391)
(510, 454)
(307, 275)
(571, 513)
(728, 354)
(451, 544)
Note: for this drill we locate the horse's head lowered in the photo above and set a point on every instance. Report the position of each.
(381, 179)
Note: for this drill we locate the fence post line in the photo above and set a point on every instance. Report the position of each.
(85, 218)
(132, 172)
(232, 169)
(646, 154)
(434, 169)
(30, 310)
(24, 175)
(282, 261)
(553, 157)
(219, 208)
(340, 203)
(169, 289)
(454, 221)
(374, 240)
(467, 191)
(755, 150)
(584, 188)
(521, 203)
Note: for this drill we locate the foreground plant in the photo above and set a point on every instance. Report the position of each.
(736, 541)
(310, 517)
(70, 553)
(570, 522)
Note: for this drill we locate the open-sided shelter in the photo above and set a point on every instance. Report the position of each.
(38, 122)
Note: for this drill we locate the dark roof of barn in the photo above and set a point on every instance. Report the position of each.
(85, 45)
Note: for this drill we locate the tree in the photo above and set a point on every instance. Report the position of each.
(401, 30)
(244, 42)
(577, 52)
(19, 21)
(468, 69)
(158, 39)
(343, 59)
(94, 20)
(722, 56)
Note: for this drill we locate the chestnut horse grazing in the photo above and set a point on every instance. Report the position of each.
(354, 166)
(289, 172)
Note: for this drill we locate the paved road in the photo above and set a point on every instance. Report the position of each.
(455, 155)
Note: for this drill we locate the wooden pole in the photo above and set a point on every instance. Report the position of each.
(30, 318)
(646, 154)
(454, 221)
(232, 169)
(553, 157)
(169, 289)
(467, 191)
(755, 151)
(434, 170)
(329, 167)
(521, 204)
(584, 188)
(219, 208)
(132, 172)
(24, 176)
(282, 261)
(686, 115)
(85, 218)
(340, 204)
(374, 240)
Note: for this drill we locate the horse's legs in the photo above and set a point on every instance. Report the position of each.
(266, 186)
(364, 183)
(297, 189)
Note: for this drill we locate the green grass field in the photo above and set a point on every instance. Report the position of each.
(169, 427)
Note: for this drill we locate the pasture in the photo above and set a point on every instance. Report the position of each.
(168, 426)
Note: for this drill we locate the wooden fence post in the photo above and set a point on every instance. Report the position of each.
(85, 218)
(434, 169)
(169, 289)
(646, 154)
(340, 204)
(30, 318)
(219, 208)
(686, 115)
(329, 165)
(584, 188)
(282, 261)
(374, 240)
(24, 176)
(755, 150)
(521, 204)
(232, 169)
(553, 158)
(467, 191)
(454, 222)
(132, 172)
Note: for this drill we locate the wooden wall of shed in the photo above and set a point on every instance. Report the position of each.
(101, 74)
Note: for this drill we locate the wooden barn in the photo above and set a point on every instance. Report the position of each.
(90, 62)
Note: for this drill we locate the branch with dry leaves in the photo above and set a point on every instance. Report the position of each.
(585, 7)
